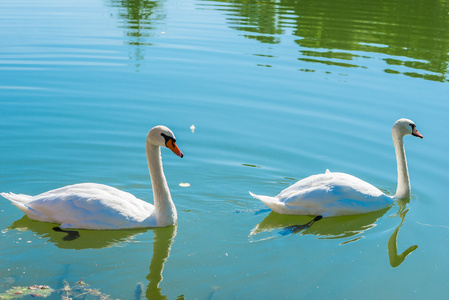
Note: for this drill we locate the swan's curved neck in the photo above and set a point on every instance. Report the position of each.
(403, 188)
(164, 207)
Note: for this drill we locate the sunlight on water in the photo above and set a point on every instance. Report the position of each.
(259, 94)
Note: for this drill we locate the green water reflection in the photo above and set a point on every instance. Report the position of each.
(412, 38)
(139, 23)
(395, 258)
(163, 239)
(344, 227)
(88, 239)
(326, 228)
(94, 239)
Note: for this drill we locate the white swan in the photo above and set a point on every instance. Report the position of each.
(98, 206)
(338, 194)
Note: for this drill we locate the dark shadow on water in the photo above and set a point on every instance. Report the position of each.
(71, 234)
(297, 228)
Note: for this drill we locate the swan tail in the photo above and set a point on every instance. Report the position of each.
(17, 199)
(264, 199)
(21, 202)
(271, 202)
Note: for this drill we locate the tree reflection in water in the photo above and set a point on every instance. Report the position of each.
(411, 38)
(140, 21)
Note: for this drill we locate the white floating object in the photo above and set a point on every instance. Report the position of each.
(184, 184)
(192, 128)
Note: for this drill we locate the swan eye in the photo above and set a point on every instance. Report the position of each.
(167, 138)
(413, 126)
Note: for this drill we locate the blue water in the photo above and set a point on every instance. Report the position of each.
(276, 92)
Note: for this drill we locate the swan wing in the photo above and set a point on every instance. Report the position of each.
(333, 194)
(89, 206)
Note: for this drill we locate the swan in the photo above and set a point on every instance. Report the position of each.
(336, 194)
(98, 206)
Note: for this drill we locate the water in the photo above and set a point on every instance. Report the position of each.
(277, 91)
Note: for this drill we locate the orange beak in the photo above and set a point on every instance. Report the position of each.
(416, 133)
(171, 144)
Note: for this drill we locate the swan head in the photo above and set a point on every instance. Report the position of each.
(405, 127)
(162, 136)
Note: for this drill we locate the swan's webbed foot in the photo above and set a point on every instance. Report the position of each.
(71, 234)
(297, 228)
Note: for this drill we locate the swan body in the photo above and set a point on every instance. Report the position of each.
(98, 206)
(337, 194)
(329, 194)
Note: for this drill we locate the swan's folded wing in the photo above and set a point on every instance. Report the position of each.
(92, 206)
(318, 180)
(333, 194)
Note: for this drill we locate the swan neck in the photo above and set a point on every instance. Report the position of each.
(403, 187)
(164, 207)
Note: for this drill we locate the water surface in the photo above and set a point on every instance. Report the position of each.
(277, 91)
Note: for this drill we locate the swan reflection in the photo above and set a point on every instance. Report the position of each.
(94, 239)
(335, 228)
(163, 239)
(77, 239)
(326, 228)
(395, 258)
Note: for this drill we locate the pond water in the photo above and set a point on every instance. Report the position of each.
(276, 91)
